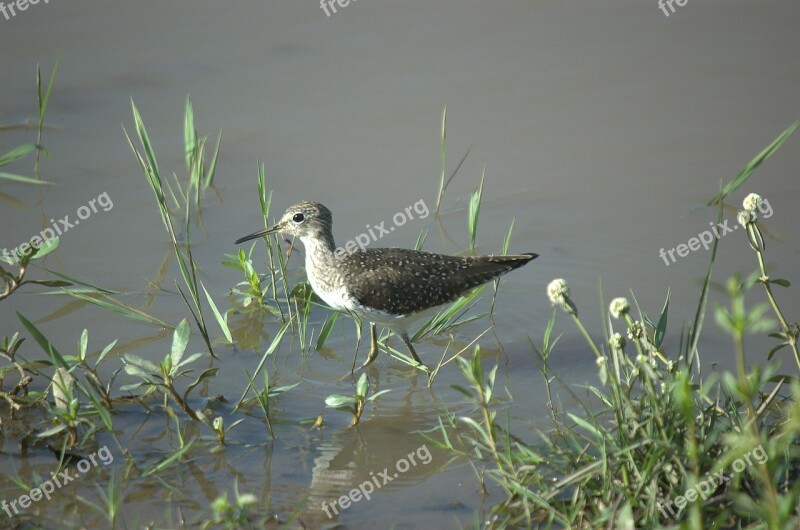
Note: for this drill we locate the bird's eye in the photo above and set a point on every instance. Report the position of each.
(298, 218)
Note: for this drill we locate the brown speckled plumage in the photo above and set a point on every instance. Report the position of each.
(401, 281)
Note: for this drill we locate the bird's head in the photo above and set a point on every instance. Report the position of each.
(303, 220)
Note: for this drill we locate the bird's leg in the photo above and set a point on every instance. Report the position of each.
(373, 350)
(407, 342)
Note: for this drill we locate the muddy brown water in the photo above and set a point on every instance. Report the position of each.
(604, 127)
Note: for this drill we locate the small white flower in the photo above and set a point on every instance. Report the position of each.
(618, 307)
(636, 331)
(745, 217)
(663, 388)
(557, 292)
(752, 202)
(617, 341)
(641, 359)
(670, 365)
(601, 361)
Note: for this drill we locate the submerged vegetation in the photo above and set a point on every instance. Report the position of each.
(656, 429)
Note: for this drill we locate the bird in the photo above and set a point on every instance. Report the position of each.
(393, 287)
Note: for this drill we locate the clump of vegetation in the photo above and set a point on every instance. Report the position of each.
(661, 443)
(354, 404)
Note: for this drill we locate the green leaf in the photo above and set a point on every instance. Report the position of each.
(362, 387)
(775, 350)
(105, 352)
(661, 327)
(180, 338)
(47, 246)
(460, 388)
(281, 389)
(336, 400)
(131, 359)
(376, 394)
(586, 425)
(781, 282)
(479, 430)
(188, 360)
(51, 431)
(209, 372)
(489, 390)
(477, 366)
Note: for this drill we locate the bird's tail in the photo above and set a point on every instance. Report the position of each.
(512, 262)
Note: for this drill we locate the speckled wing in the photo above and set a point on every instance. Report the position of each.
(401, 281)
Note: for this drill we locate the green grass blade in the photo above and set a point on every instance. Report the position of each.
(442, 184)
(44, 100)
(189, 134)
(43, 342)
(661, 327)
(20, 178)
(507, 239)
(79, 282)
(327, 327)
(212, 168)
(697, 324)
(475, 210)
(223, 323)
(155, 468)
(119, 307)
(18, 153)
(423, 235)
(753, 165)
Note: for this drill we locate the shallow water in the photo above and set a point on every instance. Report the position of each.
(604, 128)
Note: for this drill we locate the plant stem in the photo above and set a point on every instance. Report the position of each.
(791, 336)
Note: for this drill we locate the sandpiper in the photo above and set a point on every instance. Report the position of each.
(393, 287)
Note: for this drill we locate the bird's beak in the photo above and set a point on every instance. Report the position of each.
(263, 232)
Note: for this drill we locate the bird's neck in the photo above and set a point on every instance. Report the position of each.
(320, 250)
